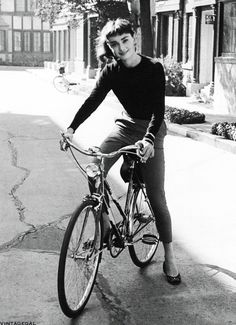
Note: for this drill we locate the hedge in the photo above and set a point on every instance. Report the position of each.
(183, 116)
(225, 129)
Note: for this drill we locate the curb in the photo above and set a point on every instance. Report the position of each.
(213, 140)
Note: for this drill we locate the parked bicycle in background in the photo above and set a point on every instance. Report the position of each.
(62, 83)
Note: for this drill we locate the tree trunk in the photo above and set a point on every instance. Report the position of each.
(146, 28)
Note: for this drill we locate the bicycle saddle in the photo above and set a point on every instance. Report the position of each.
(125, 168)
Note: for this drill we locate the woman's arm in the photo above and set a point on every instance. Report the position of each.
(157, 101)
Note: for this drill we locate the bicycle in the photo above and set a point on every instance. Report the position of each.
(83, 242)
(61, 83)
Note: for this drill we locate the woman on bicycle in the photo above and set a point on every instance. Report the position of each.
(139, 84)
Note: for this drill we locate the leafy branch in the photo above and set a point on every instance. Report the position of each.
(73, 10)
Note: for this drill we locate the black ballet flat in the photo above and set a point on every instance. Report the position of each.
(174, 280)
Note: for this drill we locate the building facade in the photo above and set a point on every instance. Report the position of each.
(202, 35)
(225, 58)
(185, 32)
(75, 46)
(24, 38)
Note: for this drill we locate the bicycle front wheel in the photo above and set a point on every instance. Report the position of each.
(79, 259)
(143, 230)
(61, 84)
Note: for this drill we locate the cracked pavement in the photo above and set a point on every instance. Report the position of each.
(37, 183)
(29, 193)
(34, 175)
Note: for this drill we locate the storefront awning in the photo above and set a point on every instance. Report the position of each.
(167, 5)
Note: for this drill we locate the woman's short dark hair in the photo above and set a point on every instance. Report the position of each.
(112, 28)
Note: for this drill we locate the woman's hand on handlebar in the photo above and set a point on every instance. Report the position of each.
(145, 151)
(69, 134)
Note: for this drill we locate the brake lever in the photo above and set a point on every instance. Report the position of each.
(63, 143)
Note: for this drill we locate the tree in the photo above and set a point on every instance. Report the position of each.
(111, 9)
(74, 10)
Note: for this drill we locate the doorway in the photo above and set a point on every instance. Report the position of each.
(206, 47)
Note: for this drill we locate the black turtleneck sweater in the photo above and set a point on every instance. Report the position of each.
(140, 90)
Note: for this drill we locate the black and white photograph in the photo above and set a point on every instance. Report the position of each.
(117, 162)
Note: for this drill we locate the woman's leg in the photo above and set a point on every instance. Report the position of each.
(154, 176)
(113, 142)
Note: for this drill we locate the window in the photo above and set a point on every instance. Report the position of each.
(46, 42)
(37, 42)
(6, 5)
(27, 41)
(189, 54)
(229, 28)
(20, 5)
(2, 40)
(17, 41)
(31, 5)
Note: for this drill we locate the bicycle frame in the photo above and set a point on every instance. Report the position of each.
(61, 83)
(84, 240)
(103, 193)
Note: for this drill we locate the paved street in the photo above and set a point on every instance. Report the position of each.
(40, 187)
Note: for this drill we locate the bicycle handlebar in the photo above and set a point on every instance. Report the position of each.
(95, 151)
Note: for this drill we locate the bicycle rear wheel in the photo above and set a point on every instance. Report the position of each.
(61, 84)
(143, 231)
(79, 259)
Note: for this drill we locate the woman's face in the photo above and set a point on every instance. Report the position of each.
(122, 46)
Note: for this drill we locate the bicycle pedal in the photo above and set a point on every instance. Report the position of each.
(150, 239)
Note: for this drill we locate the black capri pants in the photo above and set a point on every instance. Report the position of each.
(127, 131)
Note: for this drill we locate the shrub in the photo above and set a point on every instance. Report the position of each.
(225, 129)
(183, 116)
(174, 77)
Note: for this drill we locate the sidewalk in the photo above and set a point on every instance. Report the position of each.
(199, 132)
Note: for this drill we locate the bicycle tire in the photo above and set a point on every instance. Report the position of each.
(61, 84)
(142, 223)
(79, 259)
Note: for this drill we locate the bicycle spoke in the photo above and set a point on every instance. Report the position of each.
(142, 228)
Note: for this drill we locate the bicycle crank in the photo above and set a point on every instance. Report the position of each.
(115, 244)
